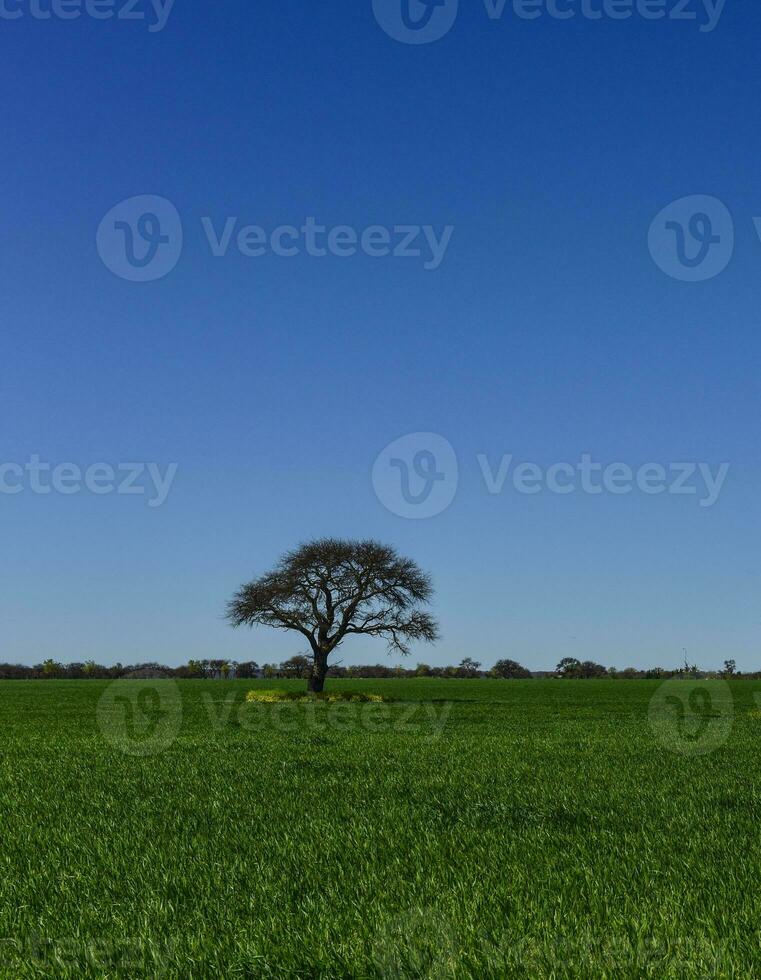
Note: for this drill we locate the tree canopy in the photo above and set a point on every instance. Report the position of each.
(331, 588)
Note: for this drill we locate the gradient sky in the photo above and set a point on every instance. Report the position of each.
(274, 383)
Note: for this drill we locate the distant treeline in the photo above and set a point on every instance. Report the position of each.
(298, 667)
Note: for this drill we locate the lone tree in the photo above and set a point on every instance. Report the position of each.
(330, 589)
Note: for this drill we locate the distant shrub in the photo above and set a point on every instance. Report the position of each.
(510, 670)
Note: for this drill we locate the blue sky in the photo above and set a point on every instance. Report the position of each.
(547, 332)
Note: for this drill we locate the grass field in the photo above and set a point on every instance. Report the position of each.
(472, 829)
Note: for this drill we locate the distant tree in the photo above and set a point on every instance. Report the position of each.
(688, 669)
(468, 667)
(568, 667)
(730, 667)
(149, 670)
(330, 589)
(574, 669)
(297, 666)
(422, 670)
(510, 670)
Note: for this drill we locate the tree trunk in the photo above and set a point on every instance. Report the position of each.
(316, 680)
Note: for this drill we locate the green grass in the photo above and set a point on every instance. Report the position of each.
(470, 829)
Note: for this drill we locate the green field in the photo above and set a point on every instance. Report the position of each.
(473, 828)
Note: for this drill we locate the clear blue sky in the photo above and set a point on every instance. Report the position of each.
(547, 332)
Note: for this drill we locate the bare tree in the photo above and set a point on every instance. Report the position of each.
(330, 589)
